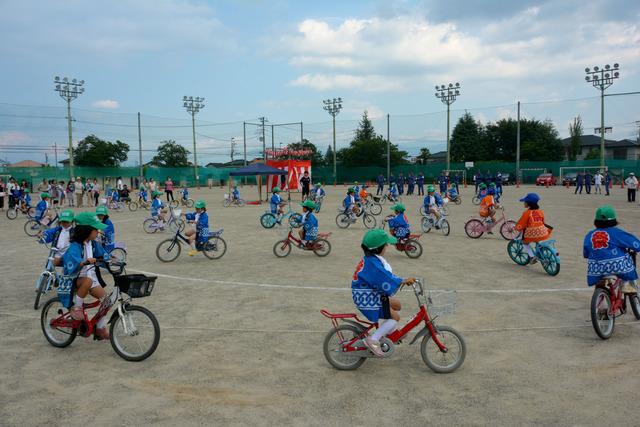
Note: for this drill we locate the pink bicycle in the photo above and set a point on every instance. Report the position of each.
(476, 227)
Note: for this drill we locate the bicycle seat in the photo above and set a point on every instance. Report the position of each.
(216, 233)
(330, 315)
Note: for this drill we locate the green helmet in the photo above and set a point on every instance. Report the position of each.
(398, 207)
(276, 189)
(308, 204)
(200, 204)
(605, 213)
(355, 182)
(351, 190)
(377, 237)
(66, 216)
(318, 185)
(27, 191)
(493, 184)
(44, 195)
(89, 219)
(482, 186)
(156, 193)
(102, 210)
(431, 189)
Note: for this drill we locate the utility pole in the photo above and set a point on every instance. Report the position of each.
(141, 172)
(193, 106)
(388, 149)
(69, 90)
(273, 144)
(233, 147)
(333, 107)
(601, 80)
(448, 95)
(244, 139)
(518, 147)
(264, 144)
(55, 153)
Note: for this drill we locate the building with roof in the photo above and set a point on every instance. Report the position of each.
(26, 164)
(624, 149)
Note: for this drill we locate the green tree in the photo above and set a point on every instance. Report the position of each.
(370, 149)
(315, 156)
(171, 155)
(328, 156)
(593, 154)
(575, 132)
(93, 151)
(468, 142)
(423, 156)
(539, 140)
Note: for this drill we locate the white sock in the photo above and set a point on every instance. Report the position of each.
(385, 326)
(78, 302)
(529, 250)
(102, 322)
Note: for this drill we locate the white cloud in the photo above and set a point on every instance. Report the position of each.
(12, 137)
(109, 104)
(322, 82)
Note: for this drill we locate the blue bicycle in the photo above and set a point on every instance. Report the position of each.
(269, 220)
(544, 251)
(33, 227)
(47, 279)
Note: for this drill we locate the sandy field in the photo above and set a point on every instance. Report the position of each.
(241, 340)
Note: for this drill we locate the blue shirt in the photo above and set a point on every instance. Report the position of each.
(443, 181)
(310, 226)
(202, 225)
(115, 196)
(75, 255)
(27, 200)
(400, 226)
(420, 180)
(235, 193)
(432, 200)
(380, 179)
(156, 205)
(348, 201)
(605, 250)
(453, 193)
(185, 193)
(108, 241)
(370, 282)
(275, 202)
(41, 208)
(394, 191)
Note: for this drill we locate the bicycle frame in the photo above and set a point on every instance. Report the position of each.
(618, 300)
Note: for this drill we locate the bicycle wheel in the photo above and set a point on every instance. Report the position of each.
(140, 338)
(332, 348)
(602, 319)
(474, 228)
(516, 252)
(174, 204)
(321, 247)
(282, 248)
(12, 213)
(42, 286)
(150, 226)
(508, 230)
(475, 200)
(32, 228)
(295, 220)
(189, 203)
(439, 361)
(634, 302)
(57, 337)
(425, 224)
(177, 225)
(412, 248)
(445, 209)
(119, 255)
(146, 205)
(375, 208)
(549, 261)
(241, 202)
(268, 220)
(226, 203)
(168, 250)
(458, 200)
(423, 211)
(133, 206)
(343, 220)
(445, 228)
(215, 248)
(369, 221)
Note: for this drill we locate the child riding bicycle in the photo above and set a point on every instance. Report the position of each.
(349, 203)
(531, 224)
(201, 233)
(607, 249)
(276, 203)
(109, 233)
(42, 209)
(373, 286)
(398, 224)
(309, 230)
(60, 236)
(488, 206)
(157, 208)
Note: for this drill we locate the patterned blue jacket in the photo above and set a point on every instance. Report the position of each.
(605, 250)
(370, 282)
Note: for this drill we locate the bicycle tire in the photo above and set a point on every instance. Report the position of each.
(149, 226)
(474, 228)
(12, 214)
(177, 225)
(550, 263)
(634, 302)
(282, 248)
(220, 245)
(369, 221)
(174, 204)
(321, 251)
(189, 203)
(508, 230)
(333, 355)
(425, 224)
(46, 320)
(343, 220)
(458, 201)
(445, 227)
(226, 203)
(268, 220)
(375, 209)
(32, 228)
(475, 200)
(600, 312)
(170, 250)
(412, 248)
(41, 288)
(431, 362)
(515, 250)
(117, 345)
(133, 206)
(118, 254)
(241, 202)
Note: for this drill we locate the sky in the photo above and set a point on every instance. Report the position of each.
(279, 59)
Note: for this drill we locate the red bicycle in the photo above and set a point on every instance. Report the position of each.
(443, 349)
(476, 227)
(320, 246)
(134, 331)
(409, 245)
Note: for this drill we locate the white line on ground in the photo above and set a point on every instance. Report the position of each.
(348, 289)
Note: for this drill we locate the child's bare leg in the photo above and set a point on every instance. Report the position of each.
(395, 304)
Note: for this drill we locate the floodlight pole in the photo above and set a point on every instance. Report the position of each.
(193, 106)
(333, 107)
(601, 79)
(69, 89)
(448, 95)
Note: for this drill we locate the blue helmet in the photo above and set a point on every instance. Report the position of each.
(530, 198)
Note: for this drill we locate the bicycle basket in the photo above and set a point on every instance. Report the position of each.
(442, 303)
(135, 285)
(177, 213)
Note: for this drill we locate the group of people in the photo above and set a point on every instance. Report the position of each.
(411, 181)
(585, 179)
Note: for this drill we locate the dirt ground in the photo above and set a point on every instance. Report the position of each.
(242, 336)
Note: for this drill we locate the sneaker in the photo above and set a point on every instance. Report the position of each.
(628, 288)
(77, 313)
(102, 333)
(374, 346)
(192, 252)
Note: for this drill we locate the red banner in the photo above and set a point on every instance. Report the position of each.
(286, 152)
(295, 170)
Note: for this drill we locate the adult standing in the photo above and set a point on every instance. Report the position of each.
(392, 180)
(168, 188)
(11, 186)
(587, 182)
(152, 185)
(579, 183)
(54, 192)
(443, 182)
(607, 182)
(380, 180)
(457, 180)
(420, 182)
(597, 178)
(96, 192)
(476, 180)
(43, 186)
(499, 183)
(119, 184)
(88, 189)
(401, 181)
(71, 197)
(632, 184)
(411, 183)
(3, 189)
(305, 183)
(79, 191)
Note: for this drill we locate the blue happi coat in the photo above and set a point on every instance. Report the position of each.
(371, 281)
(434, 200)
(605, 250)
(400, 226)
(71, 268)
(202, 225)
(109, 239)
(156, 205)
(41, 208)
(275, 202)
(310, 226)
(185, 193)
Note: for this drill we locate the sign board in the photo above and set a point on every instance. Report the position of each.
(468, 164)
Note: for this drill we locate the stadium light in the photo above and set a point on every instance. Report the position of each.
(193, 106)
(69, 90)
(448, 95)
(601, 79)
(333, 107)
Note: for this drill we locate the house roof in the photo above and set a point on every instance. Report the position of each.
(26, 164)
(438, 155)
(594, 141)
